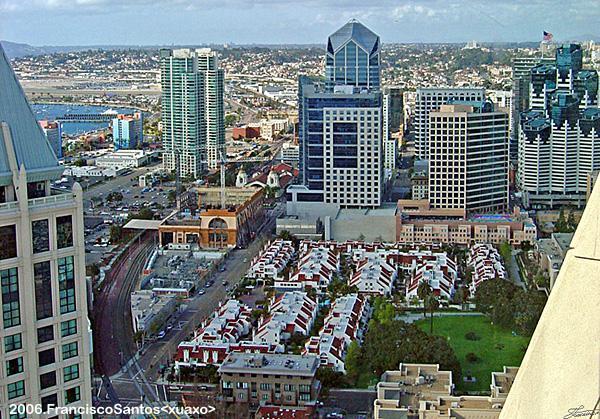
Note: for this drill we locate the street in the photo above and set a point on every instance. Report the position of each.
(142, 368)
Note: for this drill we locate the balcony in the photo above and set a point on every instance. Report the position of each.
(51, 200)
(36, 203)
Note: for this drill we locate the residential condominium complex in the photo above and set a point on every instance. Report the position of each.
(193, 132)
(128, 131)
(468, 158)
(559, 143)
(425, 391)
(430, 99)
(340, 126)
(44, 333)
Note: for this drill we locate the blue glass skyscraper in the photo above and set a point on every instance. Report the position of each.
(340, 125)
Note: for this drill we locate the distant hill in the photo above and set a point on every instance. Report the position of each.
(584, 37)
(15, 49)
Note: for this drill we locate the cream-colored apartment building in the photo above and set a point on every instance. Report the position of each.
(44, 330)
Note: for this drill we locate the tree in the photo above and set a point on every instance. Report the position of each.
(432, 303)
(285, 235)
(114, 197)
(424, 291)
(330, 378)
(353, 361)
(116, 233)
(571, 223)
(172, 197)
(143, 214)
(386, 345)
(561, 224)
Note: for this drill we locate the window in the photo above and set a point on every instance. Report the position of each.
(71, 372)
(64, 232)
(69, 350)
(305, 397)
(45, 334)
(46, 357)
(10, 297)
(14, 366)
(304, 388)
(13, 342)
(49, 400)
(40, 235)
(48, 379)
(8, 238)
(72, 395)
(16, 389)
(68, 328)
(43, 290)
(66, 284)
(265, 386)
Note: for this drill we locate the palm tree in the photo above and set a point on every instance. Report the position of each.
(424, 291)
(432, 303)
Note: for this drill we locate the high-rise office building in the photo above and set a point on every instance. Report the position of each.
(468, 157)
(430, 99)
(53, 132)
(44, 331)
(128, 131)
(340, 128)
(559, 143)
(193, 131)
(353, 57)
(393, 119)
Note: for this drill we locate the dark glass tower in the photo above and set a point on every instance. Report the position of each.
(353, 57)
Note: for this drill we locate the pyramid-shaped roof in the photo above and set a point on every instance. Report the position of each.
(29, 143)
(356, 31)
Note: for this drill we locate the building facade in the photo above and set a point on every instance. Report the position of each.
(468, 158)
(270, 379)
(193, 130)
(353, 57)
(53, 132)
(340, 126)
(128, 131)
(430, 99)
(44, 332)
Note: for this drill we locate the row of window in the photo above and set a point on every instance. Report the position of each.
(40, 235)
(9, 280)
(17, 389)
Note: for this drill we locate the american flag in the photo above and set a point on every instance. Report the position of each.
(548, 36)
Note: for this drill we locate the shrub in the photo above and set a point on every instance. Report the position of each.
(471, 357)
(472, 336)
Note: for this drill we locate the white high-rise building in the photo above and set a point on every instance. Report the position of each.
(468, 158)
(44, 331)
(430, 99)
(559, 138)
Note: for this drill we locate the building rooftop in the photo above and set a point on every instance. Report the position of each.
(283, 364)
(357, 32)
(22, 133)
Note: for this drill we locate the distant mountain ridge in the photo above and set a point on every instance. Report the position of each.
(16, 49)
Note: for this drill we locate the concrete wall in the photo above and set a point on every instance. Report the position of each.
(370, 226)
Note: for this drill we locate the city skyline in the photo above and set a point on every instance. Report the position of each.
(417, 21)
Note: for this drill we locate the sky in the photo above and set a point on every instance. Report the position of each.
(194, 22)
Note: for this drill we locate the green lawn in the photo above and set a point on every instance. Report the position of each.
(492, 357)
